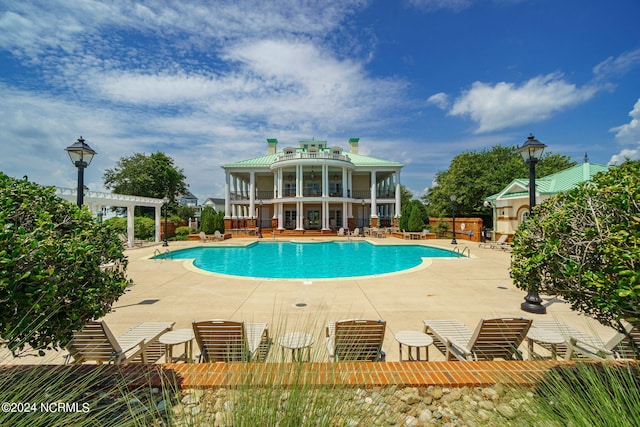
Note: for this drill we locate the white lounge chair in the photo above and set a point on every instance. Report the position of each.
(217, 236)
(492, 338)
(95, 342)
(498, 244)
(582, 345)
(341, 231)
(204, 237)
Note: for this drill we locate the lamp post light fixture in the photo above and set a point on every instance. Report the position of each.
(166, 211)
(453, 199)
(531, 152)
(81, 155)
(260, 220)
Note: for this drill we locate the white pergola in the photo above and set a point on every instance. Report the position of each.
(95, 201)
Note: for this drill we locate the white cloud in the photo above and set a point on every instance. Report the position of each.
(440, 100)
(613, 67)
(432, 5)
(628, 134)
(503, 105)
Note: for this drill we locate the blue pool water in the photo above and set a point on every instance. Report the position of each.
(308, 260)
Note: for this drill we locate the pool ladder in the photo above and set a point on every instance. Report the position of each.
(158, 256)
(466, 250)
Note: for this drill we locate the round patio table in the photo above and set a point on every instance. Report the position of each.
(414, 339)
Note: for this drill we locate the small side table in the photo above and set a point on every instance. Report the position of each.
(545, 338)
(297, 342)
(178, 336)
(414, 339)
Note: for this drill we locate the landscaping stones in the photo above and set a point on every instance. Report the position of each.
(391, 406)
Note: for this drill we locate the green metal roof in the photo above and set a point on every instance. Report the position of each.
(357, 159)
(552, 184)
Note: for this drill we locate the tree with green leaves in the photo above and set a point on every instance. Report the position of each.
(208, 220)
(153, 175)
(474, 175)
(59, 268)
(420, 215)
(584, 245)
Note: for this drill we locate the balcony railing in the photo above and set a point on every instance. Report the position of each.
(312, 155)
(268, 194)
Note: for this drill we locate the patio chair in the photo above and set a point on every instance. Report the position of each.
(204, 237)
(356, 233)
(217, 236)
(341, 231)
(492, 339)
(356, 339)
(497, 244)
(583, 345)
(229, 341)
(95, 342)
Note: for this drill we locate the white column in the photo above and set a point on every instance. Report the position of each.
(325, 181)
(345, 214)
(325, 215)
(277, 184)
(350, 183)
(299, 181)
(398, 207)
(130, 228)
(344, 182)
(158, 215)
(299, 217)
(280, 216)
(227, 194)
(252, 194)
(374, 207)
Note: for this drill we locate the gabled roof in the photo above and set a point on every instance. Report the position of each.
(552, 184)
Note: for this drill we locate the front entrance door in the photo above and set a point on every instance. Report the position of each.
(289, 219)
(313, 219)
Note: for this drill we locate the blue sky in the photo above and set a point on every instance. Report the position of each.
(418, 81)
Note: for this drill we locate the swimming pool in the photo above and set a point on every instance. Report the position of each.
(308, 260)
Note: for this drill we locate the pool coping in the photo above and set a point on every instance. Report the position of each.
(188, 263)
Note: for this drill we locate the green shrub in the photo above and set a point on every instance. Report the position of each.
(51, 276)
(143, 228)
(208, 220)
(183, 232)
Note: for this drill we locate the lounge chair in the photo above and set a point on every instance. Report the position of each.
(204, 237)
(582, 345)
(498, 244)
(217, 236)
(356, 339)
(356, 233)
(492, 339)
(95, 342)
(571, 334)
(228, 341)
(341, 232)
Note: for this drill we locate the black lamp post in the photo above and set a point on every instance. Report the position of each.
(81, 155)
(166, 211)
(260, 220)
(531, 152)
(362, 216)
(453, 199)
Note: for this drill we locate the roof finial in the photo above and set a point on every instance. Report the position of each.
(586, 158)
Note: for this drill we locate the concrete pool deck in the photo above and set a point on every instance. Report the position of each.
(442, 288)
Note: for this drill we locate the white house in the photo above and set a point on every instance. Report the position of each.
(312, 186)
